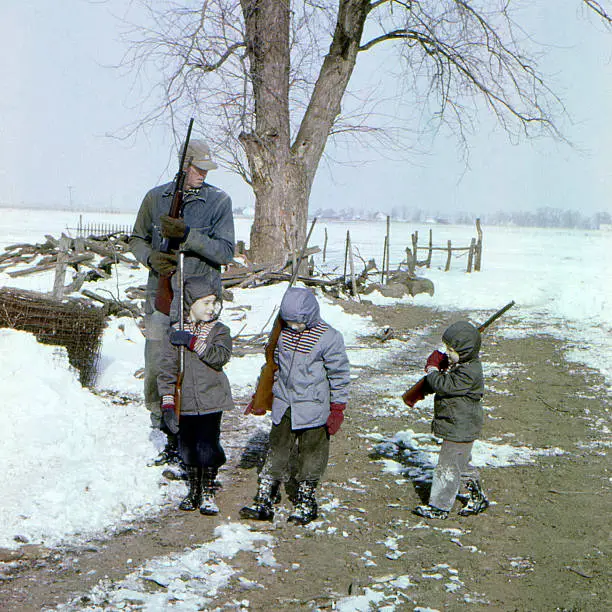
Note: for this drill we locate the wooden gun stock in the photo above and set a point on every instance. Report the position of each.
(178, 395)
(263, 397)
(420, 389)
(416, 393)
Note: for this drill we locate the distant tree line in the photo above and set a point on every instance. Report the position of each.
(541, 217)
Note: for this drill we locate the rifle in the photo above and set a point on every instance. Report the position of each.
(178, 388)
(263, 396)
(420, 389)
(163, 297)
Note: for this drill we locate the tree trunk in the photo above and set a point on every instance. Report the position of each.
(281, 213)
(282, 174)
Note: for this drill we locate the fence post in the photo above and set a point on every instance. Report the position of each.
(325, 245)
(415, 241)
(471, 254)
(478, 258)
(352, 268)
(388, 246)
(346, 246)
(410, 261)
(60, 268)
(384, 261)
(428, 262)
(448, 256)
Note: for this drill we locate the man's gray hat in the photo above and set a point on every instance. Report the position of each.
(198, 153)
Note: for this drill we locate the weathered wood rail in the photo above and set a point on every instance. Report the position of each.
(473, 251)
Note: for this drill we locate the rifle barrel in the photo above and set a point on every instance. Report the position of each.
(496, 316)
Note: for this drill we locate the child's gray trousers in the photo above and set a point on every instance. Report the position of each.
(453, 465)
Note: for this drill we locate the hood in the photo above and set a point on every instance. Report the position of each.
(299, 304)
(194, 287)
(464, 338)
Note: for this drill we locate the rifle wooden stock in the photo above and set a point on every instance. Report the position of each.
(164, 295)
(416, 393)
(178, 394)
(263, 397)
(420, 389)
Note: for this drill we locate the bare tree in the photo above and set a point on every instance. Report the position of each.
(266, 80)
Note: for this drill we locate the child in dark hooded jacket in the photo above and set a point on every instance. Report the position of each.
(456, 379)
(310, 395)
(205, 389)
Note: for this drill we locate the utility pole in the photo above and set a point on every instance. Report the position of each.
(70, 188)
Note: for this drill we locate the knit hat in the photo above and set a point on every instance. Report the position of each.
(194, 287)
(198, 153)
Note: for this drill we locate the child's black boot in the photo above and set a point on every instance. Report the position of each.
(208, 505)
(192, 501)
(477, 502)
(169, 455)
(261, 508)
(430, 512)
(306, 509)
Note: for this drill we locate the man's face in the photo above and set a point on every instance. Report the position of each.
(194, 177)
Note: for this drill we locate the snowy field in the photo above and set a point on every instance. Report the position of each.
(76, 463)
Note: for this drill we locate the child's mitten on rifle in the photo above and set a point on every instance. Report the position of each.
(437, 361)
(180, 337)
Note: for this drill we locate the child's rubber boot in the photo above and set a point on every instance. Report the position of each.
(306, 509)
(194, 496)
(261, 509)
(208, 505)
(477, 502)
(430, 512)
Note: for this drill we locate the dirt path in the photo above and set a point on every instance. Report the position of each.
(543, 545)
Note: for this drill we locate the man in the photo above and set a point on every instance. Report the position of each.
(206, 236)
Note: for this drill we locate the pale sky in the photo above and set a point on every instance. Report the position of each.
(61, 98)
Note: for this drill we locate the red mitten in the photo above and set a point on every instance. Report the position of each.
(438, 361)
(335, 418)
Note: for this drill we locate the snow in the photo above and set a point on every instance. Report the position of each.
(77, 463)
(189, 579)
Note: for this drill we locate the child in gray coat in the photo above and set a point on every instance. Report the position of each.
(456, 379)
(310, 396)
(205, 388)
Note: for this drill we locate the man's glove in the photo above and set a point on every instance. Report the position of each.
(183, 338)
(170, 419)
(437, 361)
(162, 263)
(173, 228)
(335, 418)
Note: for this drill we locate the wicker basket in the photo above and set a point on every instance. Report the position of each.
(69, 323)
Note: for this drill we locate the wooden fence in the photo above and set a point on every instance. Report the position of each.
(99, 229)
(473, 251)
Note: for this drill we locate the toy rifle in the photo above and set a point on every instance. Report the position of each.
(420, 389)
(263, 396)
(163, 297)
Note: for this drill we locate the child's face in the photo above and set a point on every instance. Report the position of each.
(204, 309)
(295, 326)
(453, 356)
